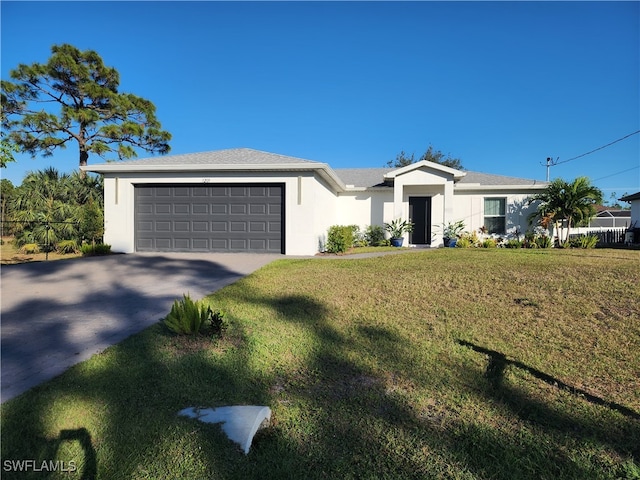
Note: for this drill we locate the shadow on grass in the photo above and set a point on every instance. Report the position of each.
(498, 362)
(348, 412)
(624, 436)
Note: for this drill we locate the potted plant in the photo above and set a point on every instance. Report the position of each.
(451, 231)
(397, 228)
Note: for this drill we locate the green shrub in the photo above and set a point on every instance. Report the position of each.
(191, 318)
(30, 248)
(339, 239)
(218, 323)
(358, 237)
(513, 243)
(374, 236)
(187, 317)
(463, 243)
(468, 240)
(489, 243)
(67, 246)
(585, 241)
(88, 249)
(543, 242)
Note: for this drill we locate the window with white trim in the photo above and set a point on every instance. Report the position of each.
(495, 219)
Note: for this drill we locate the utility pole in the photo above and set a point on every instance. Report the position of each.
(551, 163)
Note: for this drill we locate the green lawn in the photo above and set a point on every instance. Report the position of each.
(464, 364)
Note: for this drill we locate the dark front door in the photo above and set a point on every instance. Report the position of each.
(420, 215)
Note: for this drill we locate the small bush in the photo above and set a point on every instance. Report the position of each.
(358, 237)
(464, 242)
(187, 317)
(30, 248)
(339, 239)
(468, 240)
(585, 241)
(88, 249)
(67, 246)
(513, 243)
(218, 323)
(191, 318)
(489, 243)
(543, 242)
(374, 236)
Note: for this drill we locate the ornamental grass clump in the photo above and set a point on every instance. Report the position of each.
(191, 318)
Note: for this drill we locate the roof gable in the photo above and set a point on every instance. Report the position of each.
(457, 174)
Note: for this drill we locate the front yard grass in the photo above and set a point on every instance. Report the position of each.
(463, 364)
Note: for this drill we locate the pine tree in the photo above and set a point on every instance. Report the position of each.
(92, 112)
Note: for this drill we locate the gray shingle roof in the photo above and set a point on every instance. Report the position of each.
(491, 179)
(247, 157)
(363, 177)
(233, 156)
(374, 177)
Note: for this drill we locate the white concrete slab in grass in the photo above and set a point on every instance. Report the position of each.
(240, 422)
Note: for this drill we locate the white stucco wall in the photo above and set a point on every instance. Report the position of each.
(635, 213)
(469, 207)
(310, 206)
(364, 208)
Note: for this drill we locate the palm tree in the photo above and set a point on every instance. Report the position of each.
(53, 206)
(572, 202)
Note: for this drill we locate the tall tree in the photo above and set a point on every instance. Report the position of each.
(571, 202)
(90, 110)
(6, 192)
(431, 155)
(7, 149)
(50, 207)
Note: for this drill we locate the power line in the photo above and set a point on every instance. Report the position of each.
(617, 173)
(595, 149)
(552, 163)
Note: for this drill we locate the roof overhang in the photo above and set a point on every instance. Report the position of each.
(322, 169)
(497, 188)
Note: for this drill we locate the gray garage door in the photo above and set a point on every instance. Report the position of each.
(209, 218)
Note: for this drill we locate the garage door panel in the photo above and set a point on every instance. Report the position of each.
(209, 218)
(200, 226)
(201, 244)
(181, 226)
(239, 244)
(238, 209)
(200, 208)
(182, 244)
(238, 227)
(181, 208)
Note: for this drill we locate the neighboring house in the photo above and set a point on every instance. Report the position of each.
(248, 200)
(608, 217)
(634, 199)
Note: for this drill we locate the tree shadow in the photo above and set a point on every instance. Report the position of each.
(44, 460)
(344, 411)
(47, 329)
(544, 415)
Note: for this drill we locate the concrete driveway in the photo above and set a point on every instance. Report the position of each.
(56, 314)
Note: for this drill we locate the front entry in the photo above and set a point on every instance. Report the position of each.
(420, 215)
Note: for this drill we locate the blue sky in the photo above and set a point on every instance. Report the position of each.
(501, 85)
